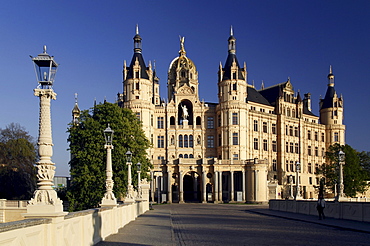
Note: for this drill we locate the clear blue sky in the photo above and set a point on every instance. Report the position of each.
(90, 40)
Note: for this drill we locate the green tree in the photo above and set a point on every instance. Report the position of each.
(354, 175)
(88, 156)
(17, 163)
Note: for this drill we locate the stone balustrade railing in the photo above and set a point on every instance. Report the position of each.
(359, 211)
(11, 210)
(86, 227)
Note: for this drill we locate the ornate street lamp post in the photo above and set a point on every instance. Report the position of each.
(298, 191)
(340, 194)
(45, 202)
(290, 177)
(139, 195)
(109, 199)
(130, 190)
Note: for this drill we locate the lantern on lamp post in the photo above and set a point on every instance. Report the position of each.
(109, 199)
(45, 201)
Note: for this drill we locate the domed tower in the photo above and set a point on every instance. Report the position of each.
(331, 114)
(182, 74)
(232, 110)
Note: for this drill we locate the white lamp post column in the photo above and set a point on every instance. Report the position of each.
(109, 199)
(139, 192)
(340, 194)
(130, 189)
(45, 202)
(298, 191)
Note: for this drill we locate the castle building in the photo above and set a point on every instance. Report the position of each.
(245, 148)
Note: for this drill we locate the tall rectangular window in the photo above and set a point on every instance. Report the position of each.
(291, 130)
(336, 137)
(235, 138)
(210, 141)
(296, 131)
(219, 140)
(255, 125)
(210, 123)
(138, 115)
(309, 167)
(273, 128)
(309, 150)
(160, 123)
(291, 147)
(160, 141)
(235, 119)
(265, 145)
(255, 143)
(274, 165)
(316, 136)
(274, 146)
(309, 134)
(322, 137)
(316, 151)
(296, 148)
(291, 166)
(264, 127)
(286, 147)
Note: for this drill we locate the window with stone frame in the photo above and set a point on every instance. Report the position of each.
(265, 146)
(273, 128)
(255, 143)
(255, 125)
(210, 122)
(210, 141)
(274, 146)
(235, 138)
(264, 127)
(160, 141)
(235, 118)
(160, 122)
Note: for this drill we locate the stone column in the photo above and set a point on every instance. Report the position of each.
(109, 199)
(220, 190)
(169, 186)
(181, 184)
(152, 188)
(216, 187)
(243, 185)
(232, 186)
(45, 202)
(204, 197)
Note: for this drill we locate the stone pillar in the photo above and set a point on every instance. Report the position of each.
(243, 185)
(220, 190)
(169, 186)
(232, 186)
(204, 184)
(152, 188)
(216, 187)
(109, 199)
(181, 184)
(45, 202)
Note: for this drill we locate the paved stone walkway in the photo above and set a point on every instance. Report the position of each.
(233, 224)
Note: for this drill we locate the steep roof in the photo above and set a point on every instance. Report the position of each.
(140, 59)
(327, 102)
(227, 68)
(255, 96)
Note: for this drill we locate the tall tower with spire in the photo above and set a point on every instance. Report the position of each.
(140, 87)
(75, 112)
(331, 114)
(232, 110)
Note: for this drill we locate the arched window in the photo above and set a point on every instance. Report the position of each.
(172, 120)
(186, 156)
(180, 141)
(198, 121)
(186, 143)
(180, 156)
(191, 156)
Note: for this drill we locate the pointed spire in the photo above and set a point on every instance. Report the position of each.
(137, 41)
(331, 77)
(262, 85)
(76, 109)
(231, 31)
(232, 42)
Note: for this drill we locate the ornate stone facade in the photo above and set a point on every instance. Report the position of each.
(241, 149)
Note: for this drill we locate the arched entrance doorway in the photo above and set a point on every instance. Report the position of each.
(192, 187)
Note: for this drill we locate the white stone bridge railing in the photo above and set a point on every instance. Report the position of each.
(349, 210)
(86, 227)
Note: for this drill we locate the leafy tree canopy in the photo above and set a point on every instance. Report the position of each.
(354, 173)
(17, 163)
(88, 156)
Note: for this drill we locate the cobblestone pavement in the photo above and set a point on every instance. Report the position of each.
(232, 224)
